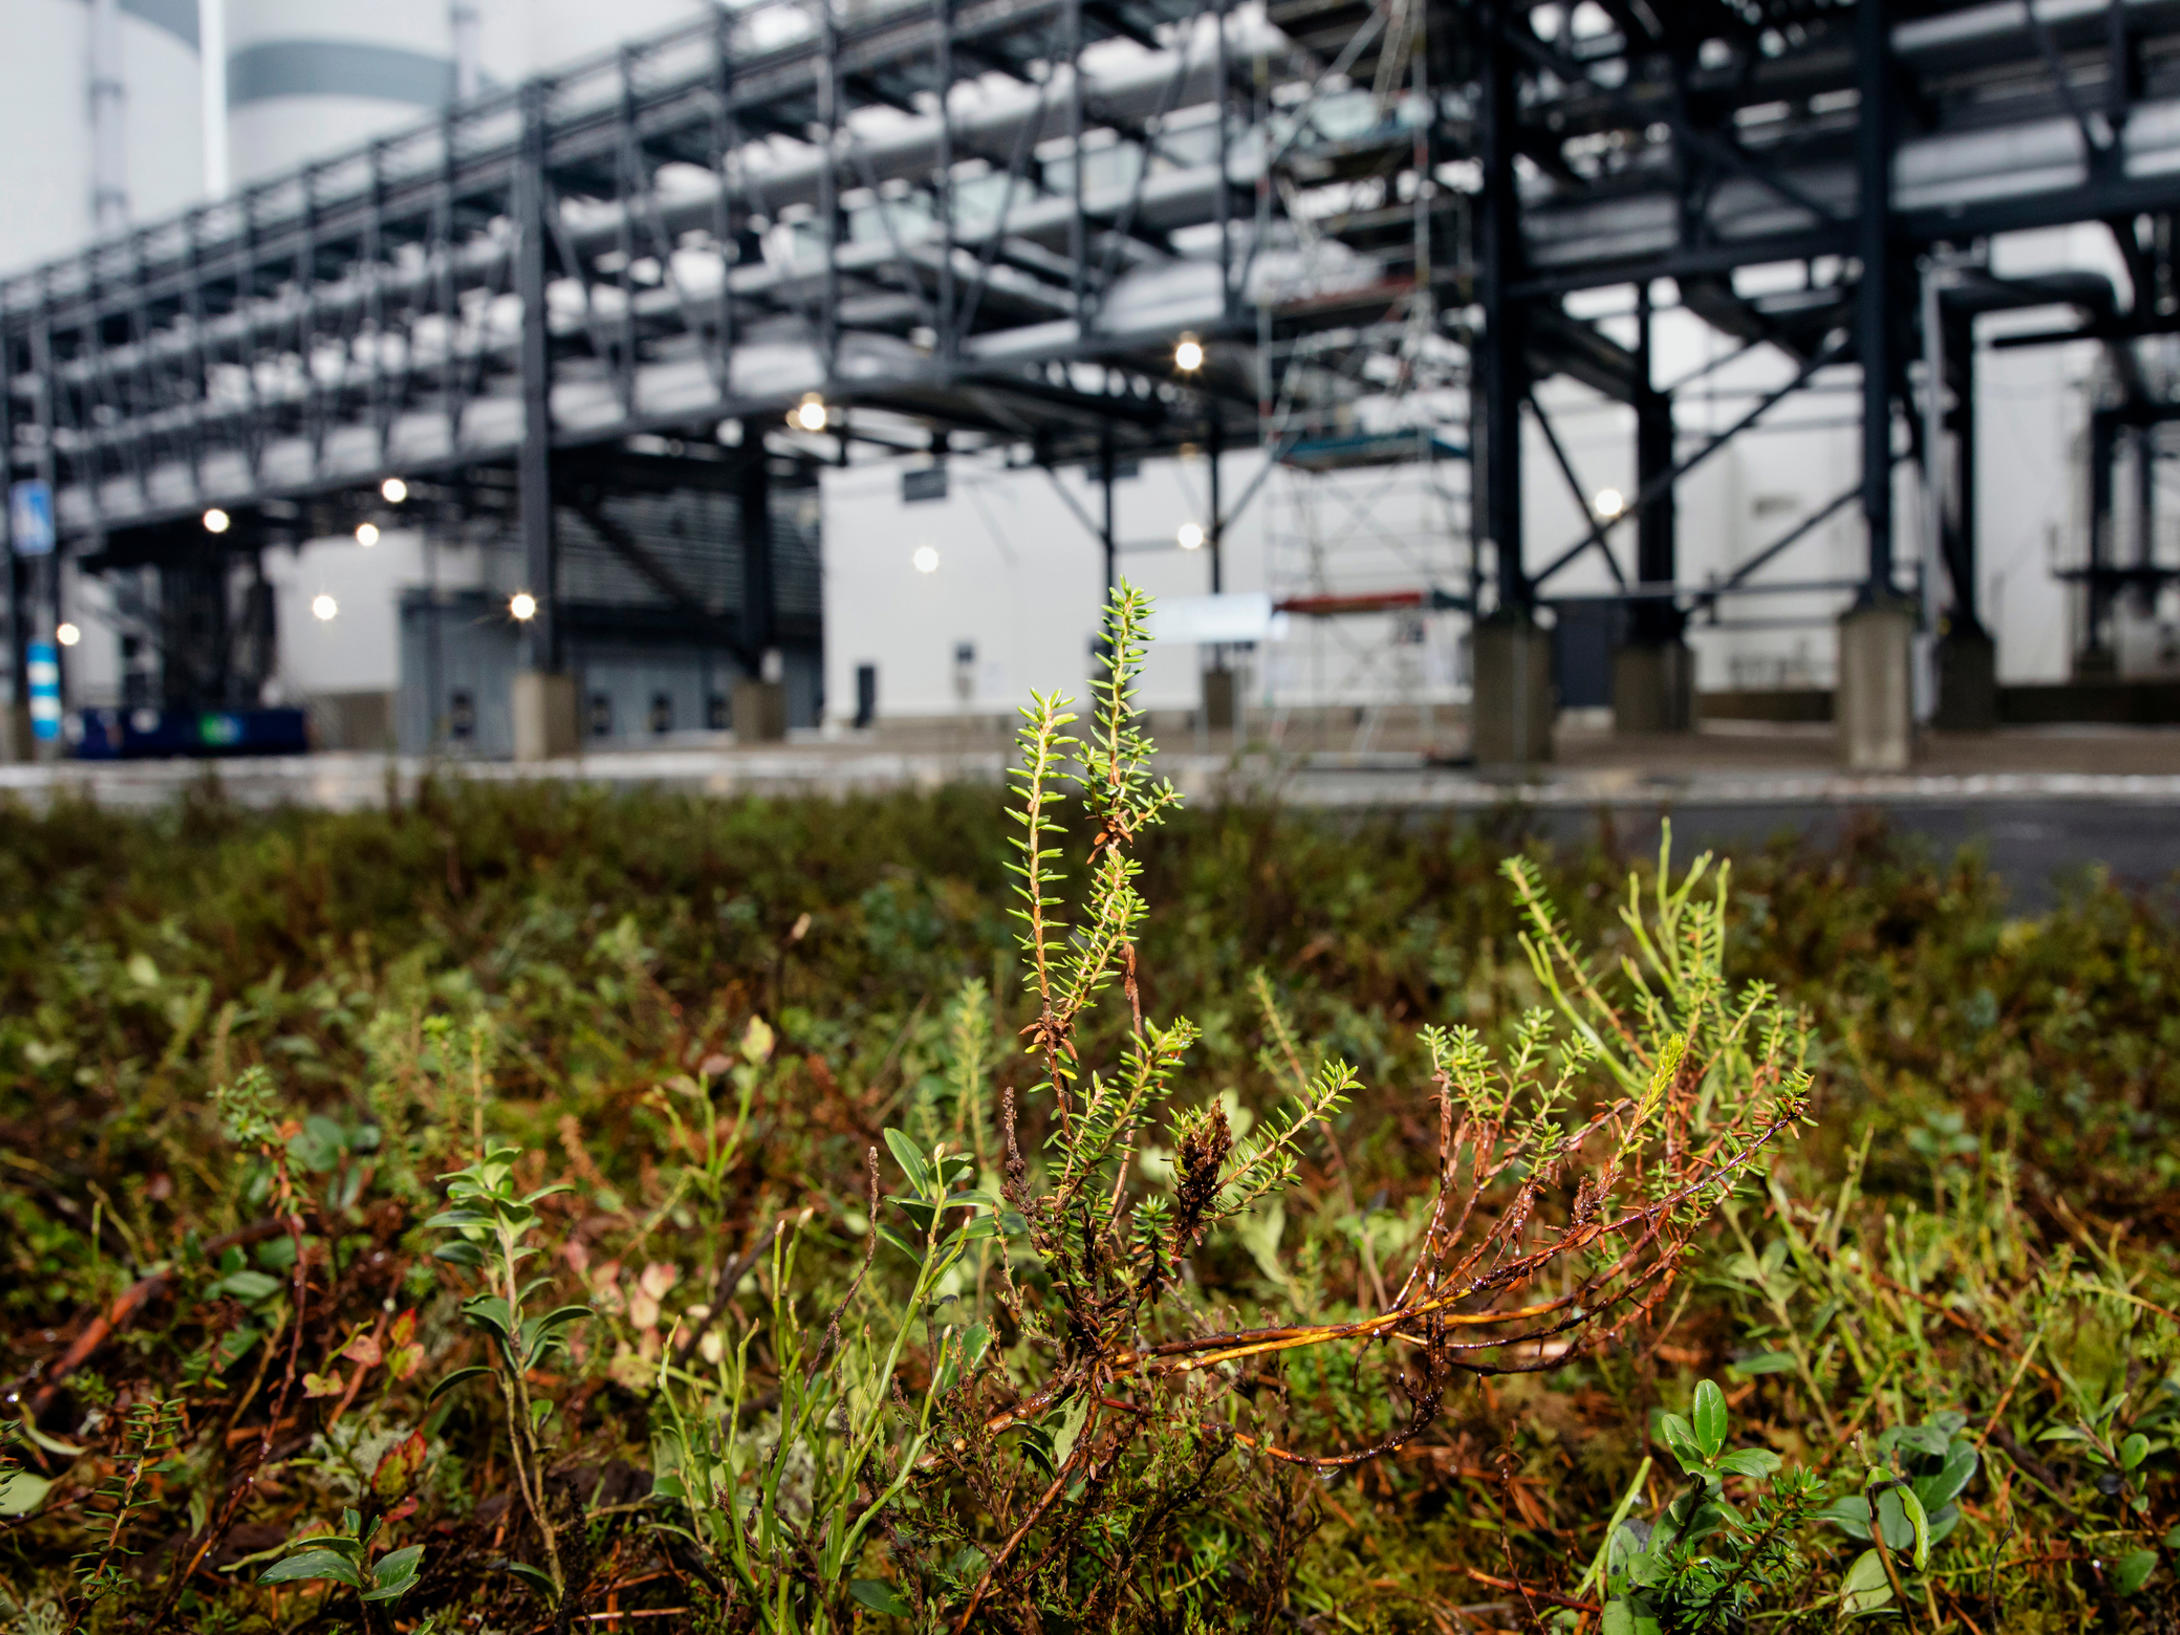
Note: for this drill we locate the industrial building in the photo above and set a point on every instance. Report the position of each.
(500, 378)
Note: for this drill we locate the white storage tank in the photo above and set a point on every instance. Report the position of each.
(525, 37)
(306, 78)
(142, 58)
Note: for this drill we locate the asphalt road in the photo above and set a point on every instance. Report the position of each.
(2035, 845)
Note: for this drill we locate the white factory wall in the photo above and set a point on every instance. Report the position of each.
(45, 120)
(1019, 579)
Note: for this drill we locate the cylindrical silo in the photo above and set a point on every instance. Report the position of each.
(99, 100)
(525, 37)
(306, 78)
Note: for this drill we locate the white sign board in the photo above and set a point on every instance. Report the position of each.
(1238, 616)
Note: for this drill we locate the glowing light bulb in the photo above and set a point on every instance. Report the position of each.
(926, 559)
(217, 521)
(393, 490)
(323, 607)
(523, 606)
(1191, 536)
(810, 414)
(68, 634)
(1188, 355)
(366, 534)
(1608, 503)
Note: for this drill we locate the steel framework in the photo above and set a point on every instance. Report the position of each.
(963, 222)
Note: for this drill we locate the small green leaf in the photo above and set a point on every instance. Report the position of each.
(313, 1564)
(2133, 1451)
(1851, 1515)
(394, 1573)
(1918, 1519)
(1764, 1362)
(897, 1241)
(448, 1220)
(879, 1596)
(450, 1381)
(21, 1492)
(536, 1579)
(52, 1444)
(913, 1164)
(488, 1311)
(1865, 1589)
(1679, 1438)
(2134, 1570)
(1709, 1418)
(1749, 1462)
(1072, 1419)
(247, 1286)
(1944, 1486)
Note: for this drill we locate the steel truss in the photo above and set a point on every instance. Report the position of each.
(977, 222)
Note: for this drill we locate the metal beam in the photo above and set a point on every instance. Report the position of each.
(1656, 525)
(1662, 483)
(1502, 364)
(760, 575)
(533, 463)
(1875, 331)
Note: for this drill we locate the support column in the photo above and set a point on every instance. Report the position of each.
(1876, 716)
(1653, 673)
(2095, 657)
(1221, 702)
(1875, 696)
(45, 668)
(1108, 538)
(760, 700)
(1512, 706)
(15, 725)
(544, 696)
(1967, 650)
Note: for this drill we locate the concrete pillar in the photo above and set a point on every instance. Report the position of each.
(1967, 681)
(1221, 700)
(1874, 704)
(1512, 706)
(760, 712)
(1653, 688)
(546, 726)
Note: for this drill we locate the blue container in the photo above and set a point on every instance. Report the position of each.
(148, 734)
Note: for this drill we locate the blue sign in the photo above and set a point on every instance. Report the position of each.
(30, 517)
(43, 671)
